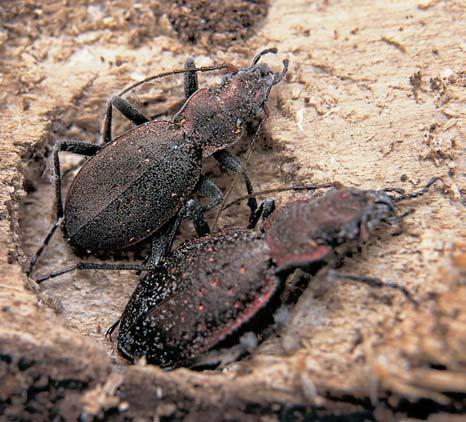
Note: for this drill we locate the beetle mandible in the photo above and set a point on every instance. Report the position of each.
(214, 286)
(134, 186)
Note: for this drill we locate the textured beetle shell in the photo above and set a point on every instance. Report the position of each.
(305, 231)
(203, 293)
(131, 188)
(217, 118)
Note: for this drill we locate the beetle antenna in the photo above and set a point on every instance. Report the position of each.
(279, 76)
(174, 72)
(287, 189)
(420, 192)
(256, 59)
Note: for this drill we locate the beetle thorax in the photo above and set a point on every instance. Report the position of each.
(217, 118)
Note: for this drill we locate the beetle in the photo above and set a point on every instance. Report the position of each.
(213, 288)
(133, 187)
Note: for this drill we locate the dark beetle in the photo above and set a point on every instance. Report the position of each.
(135, 185)
(215, 286)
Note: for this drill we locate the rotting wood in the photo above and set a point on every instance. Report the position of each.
(354, 119)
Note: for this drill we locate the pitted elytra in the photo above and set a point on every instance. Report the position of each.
(215, 287)
(137, 185)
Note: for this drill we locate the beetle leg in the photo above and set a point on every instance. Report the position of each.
(373, 282)
(191, 84)
(77, 147)
(219, 359)
(89, 266)
(162, 243)
(195, 212)
(127, 109)
(111, 329)
(233, 163)
(160, 247)
(266, 208)
(269, 208)
(421, 192)
(41, 248)
(209, 189)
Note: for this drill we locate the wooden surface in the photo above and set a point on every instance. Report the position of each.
(374, 98)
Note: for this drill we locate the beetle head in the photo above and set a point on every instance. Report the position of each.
(216, 118)
(245, 92)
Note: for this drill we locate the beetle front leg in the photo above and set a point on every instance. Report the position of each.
(127, 109)
(373, 282)
(191, 83)
(233, 163)
(77, 147)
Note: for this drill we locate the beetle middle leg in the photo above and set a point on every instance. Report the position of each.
(196, 212)
(233, 163)
(76, 147)
(162, 243)
(266, 208)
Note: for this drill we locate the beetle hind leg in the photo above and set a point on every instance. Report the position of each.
(81, 265)
(209, 189)
(76, 147)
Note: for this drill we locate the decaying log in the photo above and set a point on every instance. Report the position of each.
(374, 98)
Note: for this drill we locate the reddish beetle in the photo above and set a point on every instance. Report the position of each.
(218, 285)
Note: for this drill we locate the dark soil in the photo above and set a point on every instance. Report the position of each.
(217, 23)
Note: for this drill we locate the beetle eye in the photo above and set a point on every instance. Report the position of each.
(264, 69)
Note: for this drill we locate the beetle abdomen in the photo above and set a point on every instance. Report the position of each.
(204, 292)
(138, 182)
